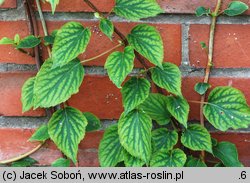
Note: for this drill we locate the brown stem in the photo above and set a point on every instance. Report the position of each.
(33, 29)
(22, 155)
(210, 61)
(25, 52)
(125, 41)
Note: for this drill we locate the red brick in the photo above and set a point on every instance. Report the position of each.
(170, 6)
(8, 54)
(14, 142)
(231, 48)
(10, 95)
(9, 4)
(99, 43)
(99, 96)
(190, 94)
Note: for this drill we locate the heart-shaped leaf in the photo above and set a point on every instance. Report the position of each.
(71, 40)
(137, 9)
(227, 108)
(110, 151)
(135, 134)
(147, 41)
(67, 128)
(119, 65)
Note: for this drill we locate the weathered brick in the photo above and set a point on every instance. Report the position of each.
(10, 95)
(231, 49)
(170, 6)
(8, 54)
(9, 4)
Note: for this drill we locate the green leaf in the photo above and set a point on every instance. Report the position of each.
(119, 65)
(93, 122)
(137, 9)
(131, 161)
(197, 138)
(203, 45)
(56, 85)
(28, 94)
(168, 78)
(71, 40)
(61, 162)
(110, 151)
(17, 39)
(29, 42)
(227, 153)
(1, 2)
(25, 162)
(163, 139)
(147, 41)
(173, 158)
(227, 108)
(6, 41)
(50, 38)
(219, 165)
(134, 92)
(41, 134)
(200, 11)
(156, 107)
(67, 129)
(202, 88)
(179, 109)
(194, 162)
(53, 4)
(236, 8)
(107, 27)
(134, 130)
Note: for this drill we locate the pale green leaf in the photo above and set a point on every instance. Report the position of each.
(6, 41)
(173, 158)
(197, 138)
(93, 122)
(131, 161)
(28, 42)
(163, 139)
(194, 162)
(53, 4)
(236, 8)
(147, 41)
(137, 9)
(107, 27)
(119, 65)
(56, 85)
(135, 134)
(27, 97)
(41, 134)
(61, 162)
(17, 39)
(168, 78)
(228, 154)
(1, 2)
(179, 109)
(156, 107)
(202, 88)
(110, 151)
(227, 108)
(71, 40)
(200, 11)
(67, 128)
(134, 92)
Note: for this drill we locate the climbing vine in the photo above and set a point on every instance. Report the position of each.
(151, 125)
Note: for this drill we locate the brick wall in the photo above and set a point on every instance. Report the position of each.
(181, 32)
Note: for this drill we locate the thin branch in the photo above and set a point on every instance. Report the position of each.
(25, 52)
(22, 155)
(125, 41)
(210, 61)
(102, 54)
(43, 23)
